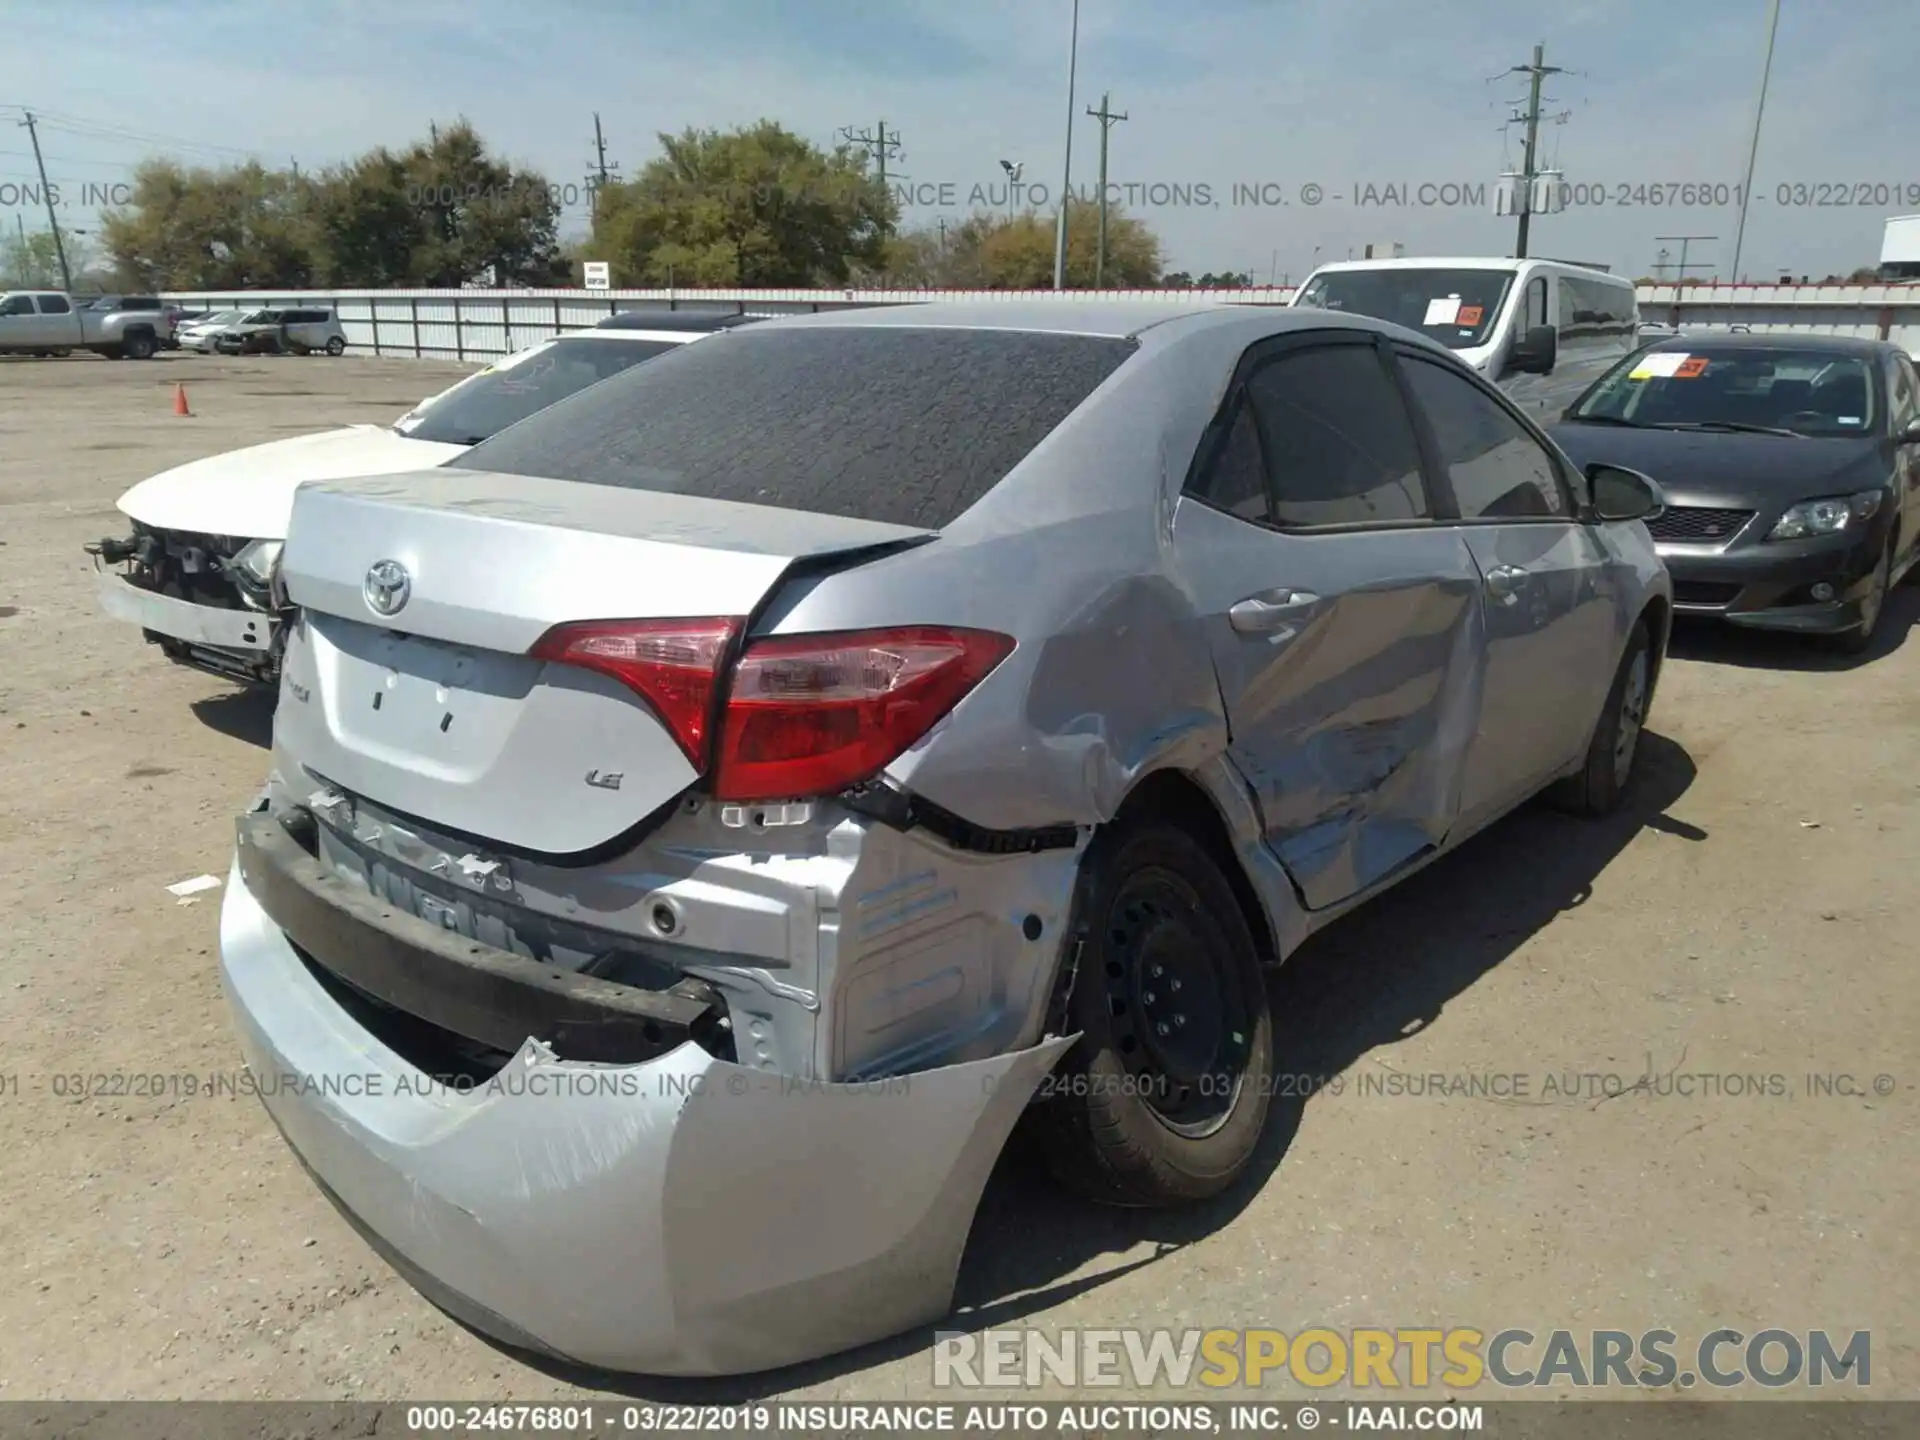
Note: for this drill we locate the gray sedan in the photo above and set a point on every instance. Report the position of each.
(705, 819)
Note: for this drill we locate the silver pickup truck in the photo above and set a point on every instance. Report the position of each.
(48, 322)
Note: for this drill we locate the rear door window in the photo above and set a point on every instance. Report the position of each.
(890, 423)
(1235, 476)
(55, 305)
(1338, 442)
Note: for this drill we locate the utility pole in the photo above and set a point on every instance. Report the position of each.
(602, 174)
(1066, 167)
(880, 145)
(1537, 71)
(1680, 270)
(1108, 119)
(1753, 146)
(46, 192)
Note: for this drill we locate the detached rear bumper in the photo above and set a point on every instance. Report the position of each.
(682, 1215)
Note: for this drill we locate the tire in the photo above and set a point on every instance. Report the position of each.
(138, 347)
(1857, 640)
(1603, 780)
(336, 347)
(1136, 1118)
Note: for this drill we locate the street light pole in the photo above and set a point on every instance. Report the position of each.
(1753, 146)
(1066, 171)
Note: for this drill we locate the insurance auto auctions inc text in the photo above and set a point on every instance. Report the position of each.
(1390, 1359)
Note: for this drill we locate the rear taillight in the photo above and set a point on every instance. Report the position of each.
(813, 714)
(674, 665)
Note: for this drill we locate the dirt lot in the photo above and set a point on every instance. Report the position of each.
(1749, 916)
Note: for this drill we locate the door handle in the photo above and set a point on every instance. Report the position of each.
(1270, 610)
(1504, 582)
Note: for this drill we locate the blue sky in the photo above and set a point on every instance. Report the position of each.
(1269, 93)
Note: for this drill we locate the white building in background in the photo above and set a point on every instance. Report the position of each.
(1900, 248)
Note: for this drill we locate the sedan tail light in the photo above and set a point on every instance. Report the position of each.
(805, 714)
(812, 714)
(674, 665)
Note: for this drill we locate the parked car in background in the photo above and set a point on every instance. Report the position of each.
(200, 332)
(1791, 465)
(197, 573)
(294, 330)
(49, 322)
(927, 698)
(1543, 330)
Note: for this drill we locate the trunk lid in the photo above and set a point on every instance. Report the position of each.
(437, 710)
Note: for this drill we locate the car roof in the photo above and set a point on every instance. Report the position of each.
(1504, 263)
(1163, 320)
(1776, 340)
(699, 322)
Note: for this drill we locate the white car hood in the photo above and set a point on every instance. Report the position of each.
(249, 493)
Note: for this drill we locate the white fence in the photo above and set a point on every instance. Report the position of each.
(487, 324)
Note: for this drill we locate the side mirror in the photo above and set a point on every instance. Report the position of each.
(1911, 435)
(1534, 352)
(1620, 494)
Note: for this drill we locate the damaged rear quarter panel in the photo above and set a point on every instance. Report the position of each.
(1071, 555)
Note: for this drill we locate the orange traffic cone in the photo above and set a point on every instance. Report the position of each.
(180, 400)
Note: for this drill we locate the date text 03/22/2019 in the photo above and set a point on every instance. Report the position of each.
(1633, 194)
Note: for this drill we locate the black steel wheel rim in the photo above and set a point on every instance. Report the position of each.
(1176, 1003)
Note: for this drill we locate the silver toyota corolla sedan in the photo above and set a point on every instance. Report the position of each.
(702, 820)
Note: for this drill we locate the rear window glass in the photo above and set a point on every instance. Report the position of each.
(903, 426)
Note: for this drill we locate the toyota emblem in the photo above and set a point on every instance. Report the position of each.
(387, 587)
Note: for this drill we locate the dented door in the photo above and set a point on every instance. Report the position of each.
(1349, 659)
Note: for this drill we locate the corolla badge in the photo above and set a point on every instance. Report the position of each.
(387, 587)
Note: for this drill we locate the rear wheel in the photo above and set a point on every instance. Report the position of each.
(1602, 781)
(1163, 1099)
(138, 346)
(336, 347)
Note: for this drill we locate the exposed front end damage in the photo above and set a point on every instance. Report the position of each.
(724, 1102)
(210, 602)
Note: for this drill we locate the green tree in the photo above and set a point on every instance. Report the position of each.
(31, 261)
(755, 206)
(243, 227)
(999, 252)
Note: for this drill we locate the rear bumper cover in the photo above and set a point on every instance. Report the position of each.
(679, 1216)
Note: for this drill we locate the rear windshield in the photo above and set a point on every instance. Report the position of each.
(904, 426)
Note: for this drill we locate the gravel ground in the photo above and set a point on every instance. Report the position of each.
(1745, 917)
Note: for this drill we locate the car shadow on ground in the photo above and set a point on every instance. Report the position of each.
(1375, 977)
(1714, 642)
(244, 714)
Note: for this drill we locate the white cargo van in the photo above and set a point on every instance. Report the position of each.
(1542, 330)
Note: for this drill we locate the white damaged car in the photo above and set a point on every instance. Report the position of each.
(199, 572)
